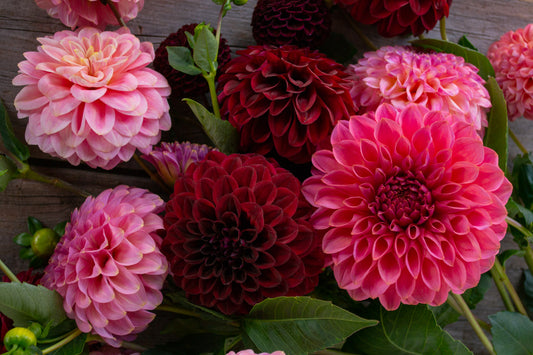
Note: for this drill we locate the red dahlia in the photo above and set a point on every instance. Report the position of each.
(184, 85)
(237, 232)
(398, 17)
(285, 99)
(303, 23)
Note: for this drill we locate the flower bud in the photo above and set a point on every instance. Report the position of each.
(43, 242)
(20, 338)
(239, 2)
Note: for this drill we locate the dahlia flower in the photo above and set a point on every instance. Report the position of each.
(74, 13)
(108, 267)
(439, 81)
(251, 352)
(512, 59)
(237, 232)
(285, 99)
(172, 159)
(303, 23)
(412, 203)
(184, 85)
(89, 97)
(394, 18)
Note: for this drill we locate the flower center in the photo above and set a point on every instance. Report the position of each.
(402, 201)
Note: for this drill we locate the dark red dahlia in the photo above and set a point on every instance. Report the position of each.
(5, 322)
(303, 23)
(285, 99)
(237, 232)
(184, 85)
(398, 17)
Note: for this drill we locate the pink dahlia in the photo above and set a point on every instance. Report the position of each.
(440, 81)
(398, 17)
(512, 59)
(78, 13)
(172, 159)
(284, 99)
(251, 352)
(412, 203)
(108, 267)
(237, 232)
(90, 97)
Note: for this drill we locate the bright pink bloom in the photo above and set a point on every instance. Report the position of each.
(89, 97)
(512, 59)
(439, 81)
(108, 266)
(413, 205)
(78, 13)
(251, 352)
(172, 159)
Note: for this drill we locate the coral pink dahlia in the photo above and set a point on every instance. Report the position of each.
(412, 203)
(172, 159)
(512, 59)
(90, 97)
(78, 13)
(285, 99)
(237, 232)
(108, 267)
(398, 17)
(439, 81)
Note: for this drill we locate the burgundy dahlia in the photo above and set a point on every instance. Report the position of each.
(237, 232)
(303, 23)
(398, 17)
(284, 99)
(184, 85)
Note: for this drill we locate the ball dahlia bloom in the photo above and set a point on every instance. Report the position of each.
(412, 203)
(108, 267)
(251, 352)
(394, 18)
(185, 85)
(237, 232)
(284, 99)
(90, 97)
(79, 13)
(512, 59)
(440, 81)
(172, 159)
(303, 23)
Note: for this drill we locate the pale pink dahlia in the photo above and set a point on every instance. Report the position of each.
(251, 352)
(172, 159)
(74, 13)
(412, 203)
(108, 267)
(439, 81)
(512, 59)
(90, 97)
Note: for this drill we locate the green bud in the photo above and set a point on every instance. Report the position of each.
(43, 242)
(239, 2)
(36, 329)
(19, 337)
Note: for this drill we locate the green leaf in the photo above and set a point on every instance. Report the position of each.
(528, 290)
(338, 48)
(74, 347)
(514, 209)
(8, 171)
(178, 298)
(471, 56)
(407, 330)
(497, 133)
(60, 228)
(34, 225)
(299, 325)
(511, 333)
(23, 239)
(26, 253)
(463, 41)
(506, 254)
(19, 149)
(522, 178)
(24, 303)
(180, 58)
(223, 135)
(205, 49)
(190, 39)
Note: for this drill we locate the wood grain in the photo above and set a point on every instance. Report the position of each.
(21, 22)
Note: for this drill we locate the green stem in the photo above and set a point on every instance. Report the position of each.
(517, 142)
(503, 292)
(153, 176)
(29, 174)
(443, 28)
(221, 15)
(8, 272)
(357, 30)
(117, 15)
(528, 256)
(473, 323)
(498, 267)
(213, 93)
(234, 342)
(71, 336)
(177, 310)
(453, 303)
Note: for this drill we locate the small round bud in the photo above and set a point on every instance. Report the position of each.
(21, 338)
(44, 241)
(239, 2)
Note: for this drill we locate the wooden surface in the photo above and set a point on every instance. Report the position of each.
(21, 21)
